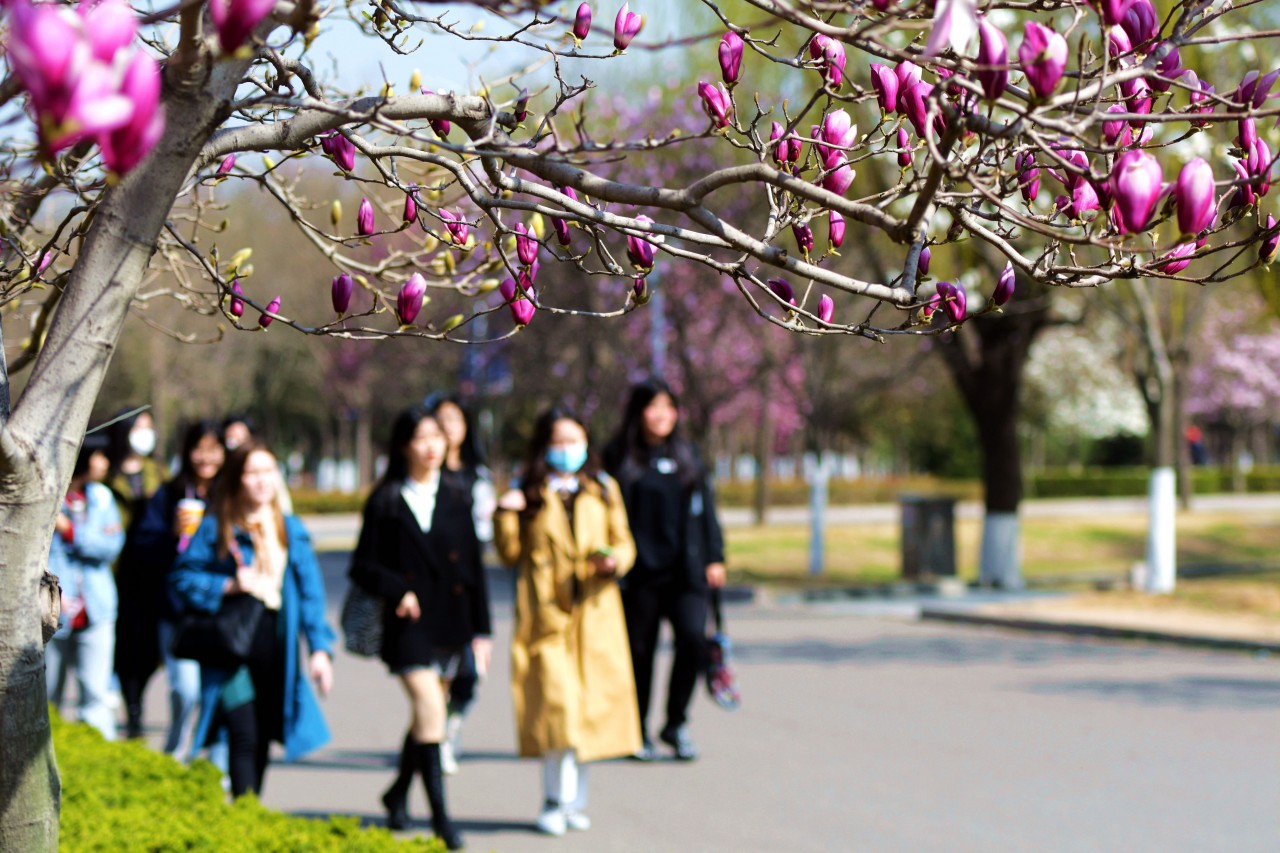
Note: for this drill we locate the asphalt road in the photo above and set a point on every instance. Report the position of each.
(866, 733)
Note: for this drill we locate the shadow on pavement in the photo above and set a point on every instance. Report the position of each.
(932, 650)
(1193, 692)
(350, 759)
(423, 825)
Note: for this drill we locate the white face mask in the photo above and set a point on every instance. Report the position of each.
(142, 441)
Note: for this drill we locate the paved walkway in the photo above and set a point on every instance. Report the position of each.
(868, 733)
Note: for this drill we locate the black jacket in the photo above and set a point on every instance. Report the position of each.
(441, 567)
(703, 540)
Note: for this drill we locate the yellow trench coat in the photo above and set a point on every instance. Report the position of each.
(571, 675)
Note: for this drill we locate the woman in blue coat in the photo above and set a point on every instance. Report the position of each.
(249, 547)
(86, 540)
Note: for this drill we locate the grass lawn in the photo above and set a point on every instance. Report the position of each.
(1050, 547)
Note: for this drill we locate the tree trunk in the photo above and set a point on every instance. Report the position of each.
(764, 458)
(986, 358)
(38, 445)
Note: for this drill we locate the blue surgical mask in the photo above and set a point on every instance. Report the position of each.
(568, 459)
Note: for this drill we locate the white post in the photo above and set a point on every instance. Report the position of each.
(1162, 569)
(817, 516)
(1000, 562)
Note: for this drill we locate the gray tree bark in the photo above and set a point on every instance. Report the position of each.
(39, 442)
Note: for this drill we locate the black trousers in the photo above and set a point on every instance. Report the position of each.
(646, 605)
(252, 726)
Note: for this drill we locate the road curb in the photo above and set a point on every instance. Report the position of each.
(1079, 629)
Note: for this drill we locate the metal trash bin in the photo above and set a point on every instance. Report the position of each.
(928, 537)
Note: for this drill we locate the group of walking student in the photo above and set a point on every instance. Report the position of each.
(604, 545)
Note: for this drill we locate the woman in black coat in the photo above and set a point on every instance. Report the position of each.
(418, 551)
(679, 547)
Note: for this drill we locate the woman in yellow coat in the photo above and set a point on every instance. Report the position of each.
(565, 530)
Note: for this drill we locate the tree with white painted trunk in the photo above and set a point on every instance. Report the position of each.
(123, 128)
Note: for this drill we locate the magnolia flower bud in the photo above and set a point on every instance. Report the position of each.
(237, 304)
(835, 229)
(340, 292)
(782, 288)
(522, 309)
(1194, 197)
(228, 163)
(582, 22)
(885, 82)
(1043, 54)
(904, 148)
(1005, 285)
(235, 20)
(526, 245)
(521, 108)
(804, 237)
(1177, 260)
(993, 55)
(640, 250)
(716, 103)
(953, 300)
(410, 206)
(625, 27)
(731, 46)
(273, 307)
(922, 262)
(1135, 184)
(562, 230)
(409, 300)
(1267, 249)
(364, 218)
(826, 308)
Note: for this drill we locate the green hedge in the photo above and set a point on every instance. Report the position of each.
(1133, 482)
(125, 796)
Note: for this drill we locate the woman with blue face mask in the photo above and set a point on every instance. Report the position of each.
(565, 530)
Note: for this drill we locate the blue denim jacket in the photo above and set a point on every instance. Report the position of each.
(197, 580)
(83, 566)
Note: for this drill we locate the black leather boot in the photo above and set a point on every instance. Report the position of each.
(396, 799)
(433, 779)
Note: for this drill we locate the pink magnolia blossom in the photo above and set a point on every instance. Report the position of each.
(582, 21)
(953, 298)
(885, 82)
(1136, 185)
(1267, 249)
(409, 299)
(1005, 285)
(1194, 196)
(236, 306)
(265, 319)
(954, 23)
(639, 249)
(826, 308)
(783, 290)
(716, 103)
(626, 26)
(1178, 259)
(522, 308)
(456, 223)
(340, 290)
(1141, 22)
(731, 46)
(410, 205)
(235, 20)
(526, 244)
(127, 146)
(993, 56)
(228, 163)
(1043, 54)
(364, 218)
(835, 229)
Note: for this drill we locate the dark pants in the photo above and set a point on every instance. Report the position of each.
(253, 725)
(646, 605)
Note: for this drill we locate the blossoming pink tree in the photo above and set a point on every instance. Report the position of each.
(1068, 136)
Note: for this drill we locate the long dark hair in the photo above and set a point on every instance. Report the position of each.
(191, 436)
(402, 431)
(229, 503)
(628, 453)
(536, 469)
(472, 451)
(118, 447)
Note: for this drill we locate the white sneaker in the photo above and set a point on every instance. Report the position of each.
(577, 820)
(552, 821)
(448, 763)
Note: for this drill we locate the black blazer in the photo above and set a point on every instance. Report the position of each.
(442, 567)
(703, 538)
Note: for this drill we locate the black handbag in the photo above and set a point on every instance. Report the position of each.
(722, 683)
(222, 639)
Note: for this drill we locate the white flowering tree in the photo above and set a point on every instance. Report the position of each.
(1058, 134)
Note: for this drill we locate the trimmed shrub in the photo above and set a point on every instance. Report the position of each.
(124, 796)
